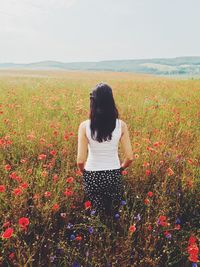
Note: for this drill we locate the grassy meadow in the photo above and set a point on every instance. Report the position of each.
(44, 216)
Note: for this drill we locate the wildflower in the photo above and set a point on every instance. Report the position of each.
(170, 172)
(132, 228)
(53, 152)
(93, 212)
(47, 194)
(24, 185)
(7, 167)
(8, 233)
(123, 202)
(69, 180)
(167, 234)
(72, 237)
(11, 255)
(17, 191)
(42, 156)
(138, 217)
(2, 188)
(90, 230)
(87, 204)
(78, 238)
(150, 194)
(23, 222)
(162, 220)
(124, 172)
(117, 216)
(70, 225)
(68, 192)
(55, 177)
(177, 226)
(178, 221)
(147, 172)
(55, 207)
(146, 201)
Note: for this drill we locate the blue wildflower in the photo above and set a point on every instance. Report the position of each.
(93, 212)
(123, 202)
(178, 221)
(117, 215)
(72, 237)
(75, 264)
(69, 225)
(90, 230)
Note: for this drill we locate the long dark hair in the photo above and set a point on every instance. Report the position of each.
(103, 113)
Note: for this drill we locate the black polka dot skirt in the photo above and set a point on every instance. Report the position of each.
(105, 190)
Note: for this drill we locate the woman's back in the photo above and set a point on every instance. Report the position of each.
(104, 155)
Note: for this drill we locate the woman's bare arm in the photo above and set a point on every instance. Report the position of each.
(126, 145)
(82, 147)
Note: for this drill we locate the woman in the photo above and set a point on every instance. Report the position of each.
(100, 134)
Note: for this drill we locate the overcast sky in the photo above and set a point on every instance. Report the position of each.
(92, 30)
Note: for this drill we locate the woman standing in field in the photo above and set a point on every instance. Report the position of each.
(100, 134)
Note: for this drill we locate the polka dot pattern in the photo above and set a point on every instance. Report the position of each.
(105, 189)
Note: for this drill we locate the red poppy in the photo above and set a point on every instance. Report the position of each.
(170, 172)
(23, 222)
(78, 238)
(55, 177)
(2, 188)
(7, 167)
(42, 156)
(132, 228)
(69, 179)
(17, 191)
(124, 172)
(53, 152)
(150, 194)
(88, 204)
(24, 185)
(47, 194)
(147, 172)
(8, 233)
(146, 201)
(68, 192)
(55, 207)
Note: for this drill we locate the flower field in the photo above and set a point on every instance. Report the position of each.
(45, 219)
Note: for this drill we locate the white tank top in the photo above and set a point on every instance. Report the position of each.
(103, 156)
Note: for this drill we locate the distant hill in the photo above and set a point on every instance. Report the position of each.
(159, 66)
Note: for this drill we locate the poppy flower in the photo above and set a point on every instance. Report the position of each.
(23, 222)
(69, 180)
(42, 156)
(147, 172)
(47, 194)
(2, 188)
(146, 201)
(53, 152)
(8, 233)
(150, 194)
(7, 167)
(87, 204)
(17, 191)
(78, 238)
(170, 172)
(55, 207)
(132, 228)
(68, 192)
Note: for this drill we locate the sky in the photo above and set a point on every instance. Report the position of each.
(95, 30)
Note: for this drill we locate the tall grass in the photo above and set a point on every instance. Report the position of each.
(39, 117)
